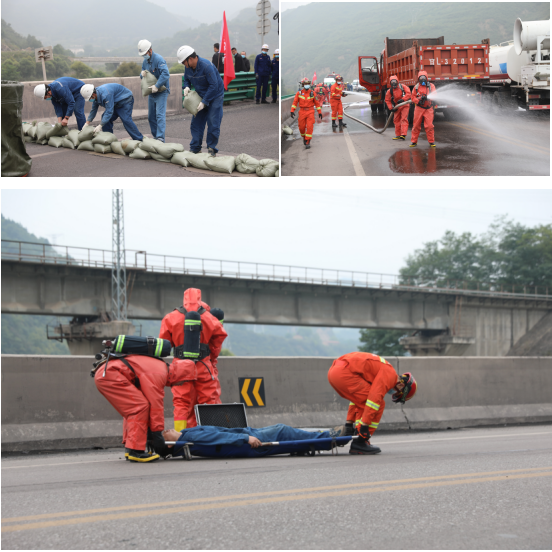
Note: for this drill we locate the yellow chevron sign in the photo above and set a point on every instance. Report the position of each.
(252, 393)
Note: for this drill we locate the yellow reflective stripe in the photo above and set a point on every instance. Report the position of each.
(383, 360)
(308, 135)
(180, 425)
(374, 425)
(293, 106)
(351, 404)
(373, 405)
(302, 97)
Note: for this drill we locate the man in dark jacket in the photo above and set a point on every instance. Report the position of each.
(238, 61)
(218, 58)
(246, 63)
(275, 75)
(263, 72)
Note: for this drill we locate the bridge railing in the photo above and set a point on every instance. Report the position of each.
(142, 261)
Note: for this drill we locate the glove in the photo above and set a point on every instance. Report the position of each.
(363, 432)
(400, 101)
(292, 114)
(186, 91)
(320, 116)
(143, 74)
(97, 129)
(200, 107)
(157, 442)
(154, 89)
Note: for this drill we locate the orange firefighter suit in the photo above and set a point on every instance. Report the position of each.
(393, 97)
(307, 101)
(335, 101)
(423, 112)
(201, 384)
(363, 379)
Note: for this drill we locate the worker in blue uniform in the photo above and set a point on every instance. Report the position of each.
(117, 101)
(202, 75)
(157, 101)
(64, 94)
(275, 75)
(263, 71)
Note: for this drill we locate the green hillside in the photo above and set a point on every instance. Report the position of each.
(325, 37)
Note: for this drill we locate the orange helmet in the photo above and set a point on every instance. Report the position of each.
(305, 81)
(338, 78)
(410, 388)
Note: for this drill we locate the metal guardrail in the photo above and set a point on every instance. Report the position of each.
(147, 262)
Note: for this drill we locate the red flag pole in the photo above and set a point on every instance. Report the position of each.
(225, 48)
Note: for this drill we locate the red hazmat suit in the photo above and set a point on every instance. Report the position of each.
(401, 115)
(201, 383)
(137, 394)
(425, 113)
(363, 379)
(335, 101)
(306, 100)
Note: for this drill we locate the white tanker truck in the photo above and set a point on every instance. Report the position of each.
(520, 69)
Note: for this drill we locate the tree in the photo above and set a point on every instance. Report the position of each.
(33, 42)
(61, 51)
(226, 352)
(128, 69)
(27, 69)
(99, 75)
(81, 70)
(176, 69)
(10, 70)
(382, 342)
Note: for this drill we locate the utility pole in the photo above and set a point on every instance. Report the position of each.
(118, 270)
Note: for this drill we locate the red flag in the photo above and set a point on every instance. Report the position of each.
(314, 78)
(225, 48)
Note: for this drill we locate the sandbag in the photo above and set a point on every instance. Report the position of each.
(32, 131)
(149, 144)
(28, 139)
(158, 157)
(181, 158)
(191, 102)
(197, 160)
(42, 130)
(117, 147)
(139, 153)
(277, 173)
(246, 164)
(130, 145)
(102, 148)
(87, 145)
(222, 164)
(55, 141)
(57, 130)
(87, 133)
(267, 167)
(287, 130)
(15, 161)
(150, 80)
(26, 127)
(104, 138)
(73, 137)
(168, 150)
(66, 143)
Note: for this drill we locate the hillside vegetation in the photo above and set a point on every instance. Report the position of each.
(325, 37)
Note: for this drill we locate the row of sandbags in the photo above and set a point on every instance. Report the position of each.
(105, 142)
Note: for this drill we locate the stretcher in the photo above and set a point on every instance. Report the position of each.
(307, 447)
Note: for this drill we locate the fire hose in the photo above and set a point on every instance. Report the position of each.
(381, 130)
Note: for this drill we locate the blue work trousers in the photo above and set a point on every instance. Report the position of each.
(275, 81)
(210, 115)
(78, 111)
(125, 113)
(282, 432)
(262, 81)
(157, 109)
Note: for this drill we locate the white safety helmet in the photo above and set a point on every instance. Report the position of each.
(184, 52)
(40, 91)
(143, 47)
(265, 46)
(277, 51)
(86, 91)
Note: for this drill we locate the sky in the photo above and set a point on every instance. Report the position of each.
(291, 5)
(363, 230)
(199, 11)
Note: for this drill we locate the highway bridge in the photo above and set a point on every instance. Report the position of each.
(450, 320)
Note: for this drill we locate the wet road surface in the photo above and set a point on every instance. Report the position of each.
(484, 488)
(484, 145)
(246, 128)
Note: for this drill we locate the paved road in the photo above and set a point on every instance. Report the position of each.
(485, 488)
(246, 128)
(487, 145)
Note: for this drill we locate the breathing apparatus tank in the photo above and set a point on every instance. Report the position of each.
(192, 335)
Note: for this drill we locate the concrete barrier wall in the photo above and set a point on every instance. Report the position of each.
(52, 402)
(36, 109)
(285, 109)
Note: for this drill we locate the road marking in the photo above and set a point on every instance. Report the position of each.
(460, 438)
(359, 171)
(268, 500)
(269, 493)
(58, 464)
(502, 139)
(58, 150)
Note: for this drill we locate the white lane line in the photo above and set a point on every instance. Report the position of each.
(58, 150)
(58, 464)
(462, 438)
(359, 171)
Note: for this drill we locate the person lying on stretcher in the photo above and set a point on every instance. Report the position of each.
(221, 441)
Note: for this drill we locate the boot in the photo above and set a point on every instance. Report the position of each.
(413, 145)
(264, 101)
(341, 123)
(334, 124)
(307, 145)
(257, 101)
(398, 138)
(433, 144)
(141, 456)
(305, 141)
(360, 446)
(402, 136)
(212, 152)
(274, 101)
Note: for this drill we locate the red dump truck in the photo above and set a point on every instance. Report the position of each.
(464, 64)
